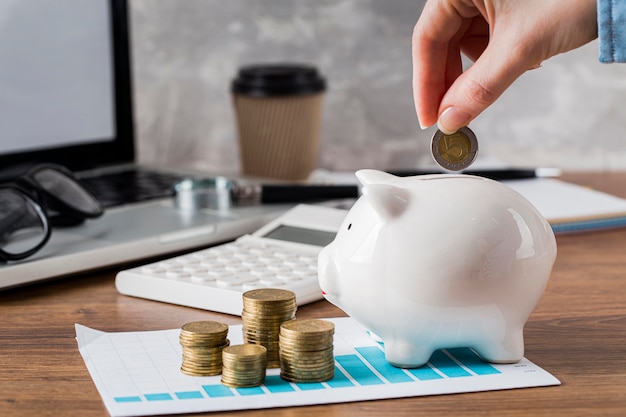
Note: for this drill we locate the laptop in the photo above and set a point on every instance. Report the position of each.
(66, 98)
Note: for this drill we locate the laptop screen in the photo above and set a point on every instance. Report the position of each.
(65, 87)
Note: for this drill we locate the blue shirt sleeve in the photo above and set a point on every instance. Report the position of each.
(612, 30)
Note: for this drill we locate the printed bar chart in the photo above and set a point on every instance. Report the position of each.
(138, 373)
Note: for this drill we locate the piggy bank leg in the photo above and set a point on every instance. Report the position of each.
(507, 350)
(401, 354)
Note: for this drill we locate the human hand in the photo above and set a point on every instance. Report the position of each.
(504, 38)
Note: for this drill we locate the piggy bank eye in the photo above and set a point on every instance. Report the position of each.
(350, 226)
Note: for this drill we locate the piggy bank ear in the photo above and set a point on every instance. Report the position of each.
(373, 176)
(388, 200)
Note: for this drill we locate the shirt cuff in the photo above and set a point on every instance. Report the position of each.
(612, 30)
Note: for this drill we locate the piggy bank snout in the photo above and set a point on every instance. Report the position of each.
(327, 271)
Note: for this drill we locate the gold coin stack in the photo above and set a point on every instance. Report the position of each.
(264, 310)
(306, 350)
(203, 342)
(244, 365)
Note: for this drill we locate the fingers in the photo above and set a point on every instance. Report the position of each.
(473, 91)
(443, 92)
(436, 58)
(525, 34)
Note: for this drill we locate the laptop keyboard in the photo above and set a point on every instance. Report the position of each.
(131, 186)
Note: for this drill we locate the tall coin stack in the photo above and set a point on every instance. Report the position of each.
(244, 365)
(306, 350)
(264, 310)
(203, 342)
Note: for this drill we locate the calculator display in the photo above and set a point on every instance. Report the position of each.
(301, 235)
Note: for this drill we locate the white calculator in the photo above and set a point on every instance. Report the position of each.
(281, 254)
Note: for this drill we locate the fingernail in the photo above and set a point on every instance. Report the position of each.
(452, 119)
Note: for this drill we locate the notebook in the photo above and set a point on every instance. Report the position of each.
(66, 98)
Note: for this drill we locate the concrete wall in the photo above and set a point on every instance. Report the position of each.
(570, 113)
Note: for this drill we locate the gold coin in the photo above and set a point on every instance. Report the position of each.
(234, 383)
(456, 151)
(269, 294)
(200, 372)
(269, 315)
(268, 299)
(243, 351)
(320, 370)
(298, 363)
(298, 339)
(306, 328)
(205, 327)
(207, 347)
(308, 377)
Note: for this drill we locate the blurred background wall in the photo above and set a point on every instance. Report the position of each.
(570, 113)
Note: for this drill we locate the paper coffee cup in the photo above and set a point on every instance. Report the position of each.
(278, 109)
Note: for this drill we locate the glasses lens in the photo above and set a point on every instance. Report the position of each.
(22, 226)
(67, 190)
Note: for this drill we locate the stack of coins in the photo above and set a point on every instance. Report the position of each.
(203, 342)
(306, 350)
(264, 310)
(244, 365)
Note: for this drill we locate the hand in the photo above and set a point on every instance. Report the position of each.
(505, 38)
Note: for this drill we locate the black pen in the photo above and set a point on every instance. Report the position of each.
(505, 174)
(291, 193)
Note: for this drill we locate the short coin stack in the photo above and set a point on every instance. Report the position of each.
(306, 350)
(264, 310)
(203, 342)
(244, 365)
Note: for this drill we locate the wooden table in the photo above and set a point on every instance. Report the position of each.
(577, 332)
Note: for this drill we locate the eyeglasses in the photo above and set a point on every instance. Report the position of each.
(47, 195)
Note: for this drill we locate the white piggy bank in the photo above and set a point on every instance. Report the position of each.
(439, 261)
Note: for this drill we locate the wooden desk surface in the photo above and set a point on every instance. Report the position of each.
(577, 332)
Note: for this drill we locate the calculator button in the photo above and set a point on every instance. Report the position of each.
(253, 264)
(218, 272)
(259, 272)
(293, 263)
(252, 286)
(212, 264)
(202, 278)
(276, 267)
(234, 280)
(177, 274)
(289, 277)
(266, 258)
(207, 256)
(271, 281)
(195, 269)
(236, 268)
